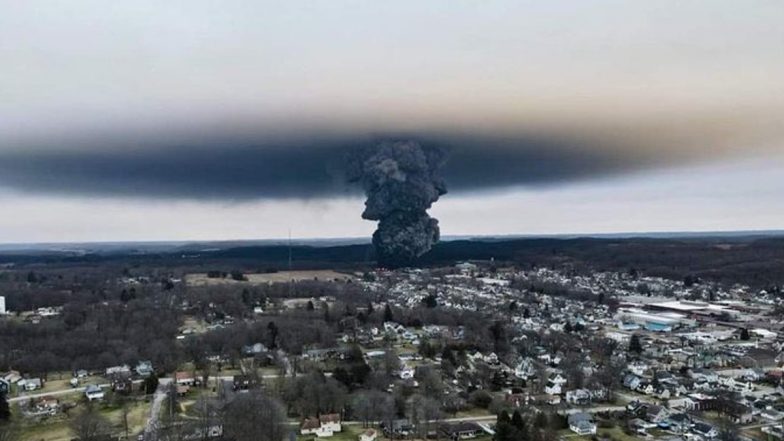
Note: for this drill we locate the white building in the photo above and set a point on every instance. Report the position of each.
(2, 305)
(93, 392)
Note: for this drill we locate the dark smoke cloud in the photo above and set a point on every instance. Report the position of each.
(401, 181)
(303, 169)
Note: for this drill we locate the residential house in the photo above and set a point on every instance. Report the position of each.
(552, 388)
(461, 430)
(774, 432)
(122, 384)
(646, 388)
(582, 423)
(115, 370)
(368, 435)
(578, 397)
(739, 413)
(705, 430)
(772, 415)
(331, 422)
(31, 384)
(631, 382)
(549, 359)
(144, 368)
(704, 374)
(647, 411)
(254, 349)
(183, 378)
(398, 429)
(558, 379)
(525, 369)
(662, 393)
(93, 392)
(638, 368)
(406, 372)
(679, 422)
(47, 404)
(325, 426)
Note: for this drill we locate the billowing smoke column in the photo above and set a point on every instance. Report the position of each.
(401, 181)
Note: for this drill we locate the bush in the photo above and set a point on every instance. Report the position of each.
(481, 398)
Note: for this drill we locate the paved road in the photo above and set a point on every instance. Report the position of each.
(81, 389)
(72, 390)
(597, 409)
(151, 428)
(53, 393)
(476, 419)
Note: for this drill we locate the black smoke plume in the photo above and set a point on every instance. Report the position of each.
(401, 181)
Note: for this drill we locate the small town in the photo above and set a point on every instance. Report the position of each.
(353, 220)
(470, 351)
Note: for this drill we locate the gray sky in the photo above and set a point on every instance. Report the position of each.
(216, 120)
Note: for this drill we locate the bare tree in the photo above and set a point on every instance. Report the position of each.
(372, 405)
(207, 417)
(90, 426)
(125, 410)
(424, 412)
(255, 417)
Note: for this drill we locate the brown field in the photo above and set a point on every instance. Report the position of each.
(201, 279)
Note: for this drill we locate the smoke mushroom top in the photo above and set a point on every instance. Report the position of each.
(401, 181)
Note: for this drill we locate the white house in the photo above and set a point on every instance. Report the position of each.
(118, 370)
(552, 388)
(93, 392)
(31, 384)
(557, 379)
(406, 372)
(638, 368)
(525, 369)
(582, 424)
(323, 427)
(578, 397)
(368, 435)
(704, 374)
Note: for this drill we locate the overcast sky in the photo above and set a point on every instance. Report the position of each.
(149, 120)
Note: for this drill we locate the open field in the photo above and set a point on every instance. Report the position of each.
(57, 428)
(201, 279)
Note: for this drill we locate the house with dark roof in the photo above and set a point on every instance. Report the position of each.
(323, 427)
(582, 423)
(461, 430)
(705, 430)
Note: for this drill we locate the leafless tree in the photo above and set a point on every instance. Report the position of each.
(90, 426)
(424, 412)
(208, 415)
(125, 410)
(372, 405)
(254, 416)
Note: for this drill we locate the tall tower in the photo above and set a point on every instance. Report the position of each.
(2, 305)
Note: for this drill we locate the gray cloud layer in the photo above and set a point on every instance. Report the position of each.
(287, 169)
(520, 92)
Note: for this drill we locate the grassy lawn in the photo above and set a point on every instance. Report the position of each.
(616, 433)
(472, 412)
(52, 429)
(187, 402)
(57, 428)
(138, 413)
